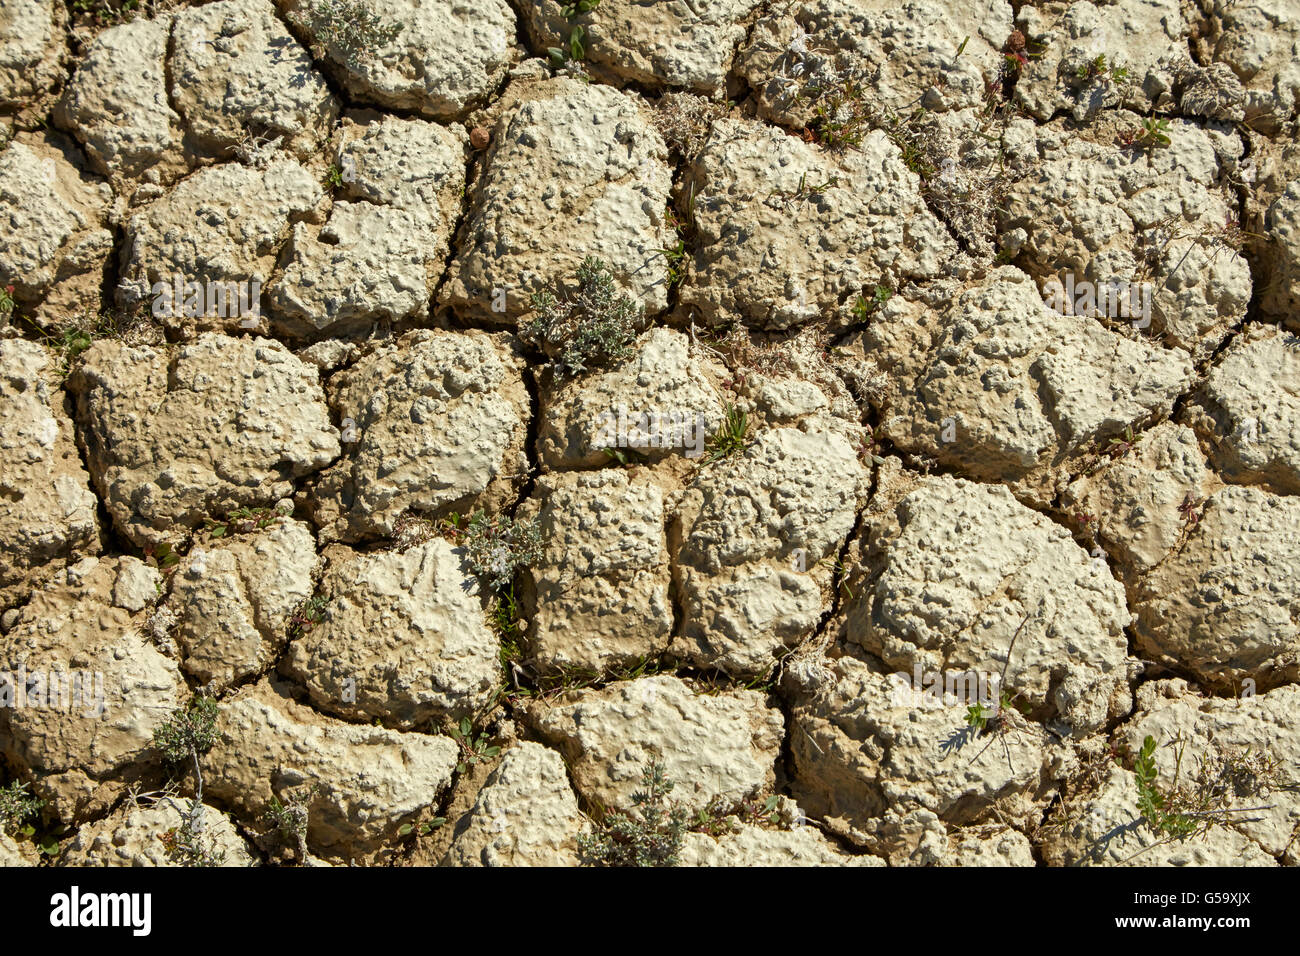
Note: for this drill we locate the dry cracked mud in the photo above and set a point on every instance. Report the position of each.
(733, 433)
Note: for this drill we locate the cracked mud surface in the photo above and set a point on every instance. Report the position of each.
(265, 348)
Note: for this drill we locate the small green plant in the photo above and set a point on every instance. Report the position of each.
(767, 813)
(504, 616)
(573, 677)
(497, 547)
(997, 724)
(70, 340)
(650, 835)
(981, 719)
(192, 730)
(242, 521)
(49, 847)
(188, 844)
(1224, 775)
(902, 133)
(307, 615)
(712, 820)
(7, 293)
(840, 118)
(16, 808)
(1153, 133)
(452, 525)
(510, 653)
(423, 829)
(67, 342)
(1096, 67)
(864, 307)
(591, 325)
(573, 50)
(473, 748)
(288, 820)
(872, 445)
(676, 257)
(840, 573)
(334, 177)
(1151, 802)
(731, 435)
(351, 28)
(625, 456)
(805, 191)
(105, 13)
(1121, 446)
(1017, 52)
(162, 556)
(504, 619)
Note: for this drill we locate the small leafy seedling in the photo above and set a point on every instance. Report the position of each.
(981, 719)
(423, 829)
(731, 435)
(592, 325)
(351, 28)
(676, 257)
(805, 191)
(242, 521)
(473, 748)
(840, 119)
(625, 456)
(306, 616)
(650, 835)
(1154, 133)
(864, 307)
(573, 50)
(498, 546)
(1096, 67)
(162, 557)
(190, 731)
(1151, 802)
(17, 807)
(1119, 447)
(189, 844)
(768, 813)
